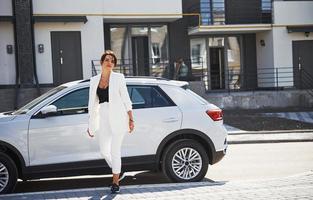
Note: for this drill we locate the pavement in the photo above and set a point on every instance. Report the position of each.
(244, 126)
(299, 186)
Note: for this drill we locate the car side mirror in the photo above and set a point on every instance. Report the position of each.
(51, 109)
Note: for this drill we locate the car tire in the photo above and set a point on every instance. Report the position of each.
(178, 168)
(8, 174)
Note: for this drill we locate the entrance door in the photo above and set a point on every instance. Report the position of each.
(303, 63)
(140, 57)
(66, 56)
(217, 68)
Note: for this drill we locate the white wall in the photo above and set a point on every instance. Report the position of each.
(6, 7)
(7, 61)
(264, 53)
(92, 44)
(79, 7)
(283, 56)
(277, 52)
(83, 7)
(265, 58)
(293, 12)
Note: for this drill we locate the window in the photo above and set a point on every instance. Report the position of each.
(73, 101)
(148, 97)
(156, 53)
(212, 12)
(195, 53)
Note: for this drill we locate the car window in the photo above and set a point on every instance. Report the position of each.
(148, 97)
(74, 100)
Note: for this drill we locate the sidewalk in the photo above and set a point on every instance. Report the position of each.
(294, 187)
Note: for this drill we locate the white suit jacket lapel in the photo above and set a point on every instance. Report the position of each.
(112, 86)
(95, 85)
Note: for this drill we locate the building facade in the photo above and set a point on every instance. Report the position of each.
(233, 45)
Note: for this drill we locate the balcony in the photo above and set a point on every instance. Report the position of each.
(231, 16)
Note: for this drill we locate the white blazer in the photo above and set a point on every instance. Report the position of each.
(119, 103)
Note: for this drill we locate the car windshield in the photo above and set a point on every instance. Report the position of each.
(38, 100)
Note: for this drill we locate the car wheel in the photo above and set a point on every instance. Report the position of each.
(8, 174)
(185, 161)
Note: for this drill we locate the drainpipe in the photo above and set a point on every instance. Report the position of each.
(17, 74)
(34, 49)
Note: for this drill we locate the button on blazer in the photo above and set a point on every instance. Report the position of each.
(119, 103)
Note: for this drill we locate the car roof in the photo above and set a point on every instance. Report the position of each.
(155, 81)
(140, 80)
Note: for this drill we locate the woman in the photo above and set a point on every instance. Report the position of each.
(110, 114)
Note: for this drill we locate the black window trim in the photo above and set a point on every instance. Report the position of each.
(157, 87)
(75, 110)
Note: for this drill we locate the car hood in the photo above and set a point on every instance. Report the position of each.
(5, 117)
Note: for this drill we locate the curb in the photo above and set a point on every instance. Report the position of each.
(242, 132)
(267, 141)
(270, 137)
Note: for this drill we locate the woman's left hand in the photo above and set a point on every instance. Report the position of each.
(131, 126)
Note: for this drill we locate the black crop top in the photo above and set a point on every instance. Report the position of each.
(103, 94)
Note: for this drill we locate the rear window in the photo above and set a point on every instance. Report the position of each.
(148, 97)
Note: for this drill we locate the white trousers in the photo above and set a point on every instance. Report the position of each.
(110, 141)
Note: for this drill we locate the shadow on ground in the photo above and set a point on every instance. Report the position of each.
(141, 178)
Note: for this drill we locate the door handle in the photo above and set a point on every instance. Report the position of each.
(171, 119)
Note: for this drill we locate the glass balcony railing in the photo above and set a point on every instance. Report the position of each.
(221, 12)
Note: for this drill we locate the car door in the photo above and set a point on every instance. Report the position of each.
(62, 137)
(155, 116)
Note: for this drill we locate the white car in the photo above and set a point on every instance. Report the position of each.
(176, 131)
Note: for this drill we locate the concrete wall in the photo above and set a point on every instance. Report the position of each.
(6, 7)
(260, 99)
(7, 61)
(92, 42)
(254, 100)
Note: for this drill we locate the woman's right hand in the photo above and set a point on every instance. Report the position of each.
(90, 135)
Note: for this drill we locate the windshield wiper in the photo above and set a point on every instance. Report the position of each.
(8, 112)
(19, 112)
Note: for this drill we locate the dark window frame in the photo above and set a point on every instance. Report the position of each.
(159, 90)
(67, 111)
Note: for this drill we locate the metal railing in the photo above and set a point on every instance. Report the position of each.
(224, 12)
(157, 68)
(231, 80)
(264, 79)
(307, 81)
